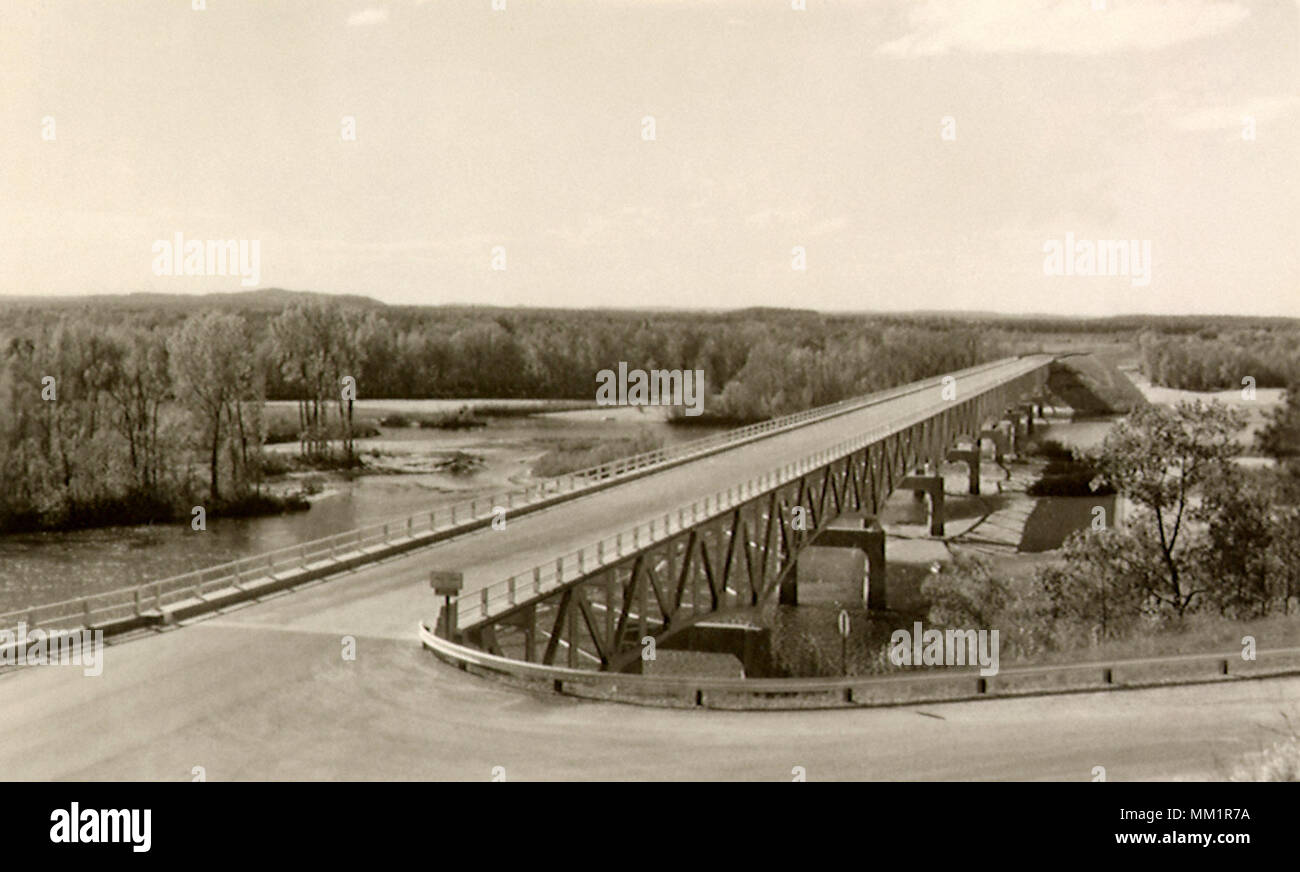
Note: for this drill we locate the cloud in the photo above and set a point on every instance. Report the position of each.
(366, 17)
(1069, 27)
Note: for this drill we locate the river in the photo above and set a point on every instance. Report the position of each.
(47, 567)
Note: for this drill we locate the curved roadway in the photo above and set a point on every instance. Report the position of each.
(263, 692)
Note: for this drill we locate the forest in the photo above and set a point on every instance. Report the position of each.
(134, 414)
(134, 409)
(1211, 359)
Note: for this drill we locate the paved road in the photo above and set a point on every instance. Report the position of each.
(263, 692)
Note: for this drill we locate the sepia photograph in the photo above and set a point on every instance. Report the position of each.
(650, 391)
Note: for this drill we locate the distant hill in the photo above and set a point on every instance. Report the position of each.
(265, 300)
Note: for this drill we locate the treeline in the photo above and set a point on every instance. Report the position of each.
(113, 414)
(1211, 360)
(455, 352)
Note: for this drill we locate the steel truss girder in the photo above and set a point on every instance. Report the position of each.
(736, 559)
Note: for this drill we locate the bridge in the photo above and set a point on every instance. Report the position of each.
(649, 560)
(640, 546)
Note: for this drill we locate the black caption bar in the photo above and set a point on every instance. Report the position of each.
(953, 820)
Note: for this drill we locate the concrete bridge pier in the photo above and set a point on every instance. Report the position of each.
(932, 485)
(971, 457)
(1011, 418)
(1029, 413)
(925, 469)
(1001, 445)
(850, 530)
(747, 641)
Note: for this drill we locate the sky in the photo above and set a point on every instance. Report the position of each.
(884, 155)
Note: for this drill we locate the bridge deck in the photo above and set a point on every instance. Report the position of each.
(488, 556)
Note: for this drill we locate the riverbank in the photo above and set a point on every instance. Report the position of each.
(404, 470)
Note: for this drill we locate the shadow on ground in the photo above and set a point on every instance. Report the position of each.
(1055, 518)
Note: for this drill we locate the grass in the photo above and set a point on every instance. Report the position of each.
(1195, 634)
(281, 430)
(587, 453)
(134, 509)
(805, 640)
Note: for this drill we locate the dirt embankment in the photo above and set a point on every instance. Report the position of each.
(1091, 386)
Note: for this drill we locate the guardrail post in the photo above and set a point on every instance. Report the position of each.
(157, 593)
(537, 579)
(510, 591)
(559, 569)
(137, 602)
(302, 557)
(483, 599)
(385, 535)
(453, 514)
(409, 526)
(618, 545)
(473, 508)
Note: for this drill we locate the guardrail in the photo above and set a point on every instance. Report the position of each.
(947, 685)
(502, 596)
(124, 603)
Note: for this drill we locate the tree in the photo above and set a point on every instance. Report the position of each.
(1279, 438)
(207, 357)
(1158, 458)
(1236, 553)
(1108, 578)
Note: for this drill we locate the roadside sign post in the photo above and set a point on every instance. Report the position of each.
(844, 641)
(447, 585)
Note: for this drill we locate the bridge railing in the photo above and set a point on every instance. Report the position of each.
(504, 595)
(125, 602)
(902, 686)
(472, 608)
